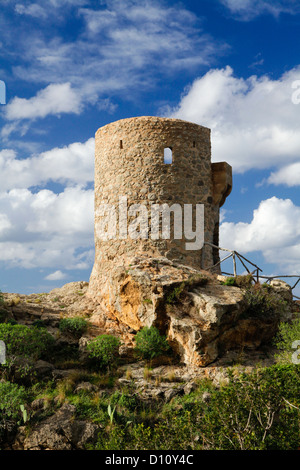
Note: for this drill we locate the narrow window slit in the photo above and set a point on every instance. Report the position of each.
(121, 144)
(168, 155)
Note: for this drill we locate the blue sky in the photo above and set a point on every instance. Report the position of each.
(71, 67)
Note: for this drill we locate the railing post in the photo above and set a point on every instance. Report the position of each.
(234, 264)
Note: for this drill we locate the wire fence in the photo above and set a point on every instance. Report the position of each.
(248, 266)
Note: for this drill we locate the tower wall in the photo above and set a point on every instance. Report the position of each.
(129, 162)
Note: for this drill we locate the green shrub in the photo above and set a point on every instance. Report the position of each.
(76, 326)
(264, 303)
(149, 343)
(104, 349)
(12, 397)
(177, 290)
(287, 334)
(124, 400)
(175, 293)
(243, 281)
(230, 281)
(26, 341)
(255, 411)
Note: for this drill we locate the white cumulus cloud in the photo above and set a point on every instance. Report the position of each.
(45, 229)
(71, 165)
(55, 99)
(274, 230)
(40, 228)
(288, 175)
(254, 122)
(56, 276)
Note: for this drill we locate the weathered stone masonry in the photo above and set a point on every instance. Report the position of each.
(129, 161)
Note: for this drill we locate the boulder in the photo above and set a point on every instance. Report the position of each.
(189, 387)
(85, 387)
(283, 289)
(171, 393)
(196, 328)
(60, 431)
(43, 369)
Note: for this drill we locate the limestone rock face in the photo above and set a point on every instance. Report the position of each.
(209, 312)
(200, 317)
(60, 431)
(283, 289)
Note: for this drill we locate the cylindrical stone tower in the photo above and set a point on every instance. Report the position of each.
(130, 169)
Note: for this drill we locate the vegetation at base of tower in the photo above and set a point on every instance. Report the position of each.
(175, 294)
(264, 302)
(230, 281)
(255, 409)
(149, 343)
(179, 289)
(243, 281)
(75, 326)
(104, 349)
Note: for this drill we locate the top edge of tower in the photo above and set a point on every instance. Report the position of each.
(139, 120)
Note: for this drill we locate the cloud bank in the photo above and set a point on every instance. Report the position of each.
(274, 230)
(119, 46)
(70, 165)
(44, 229)
(40, 228)
(55, 99)
(255, 124)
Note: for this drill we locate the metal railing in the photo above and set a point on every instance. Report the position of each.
(254, 272)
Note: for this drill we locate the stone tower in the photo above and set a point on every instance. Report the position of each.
(130, 168)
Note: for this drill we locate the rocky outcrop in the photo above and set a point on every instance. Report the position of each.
(60, 431)
(209, 312)
(201, 317)
(206, 322)
(283, 289)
